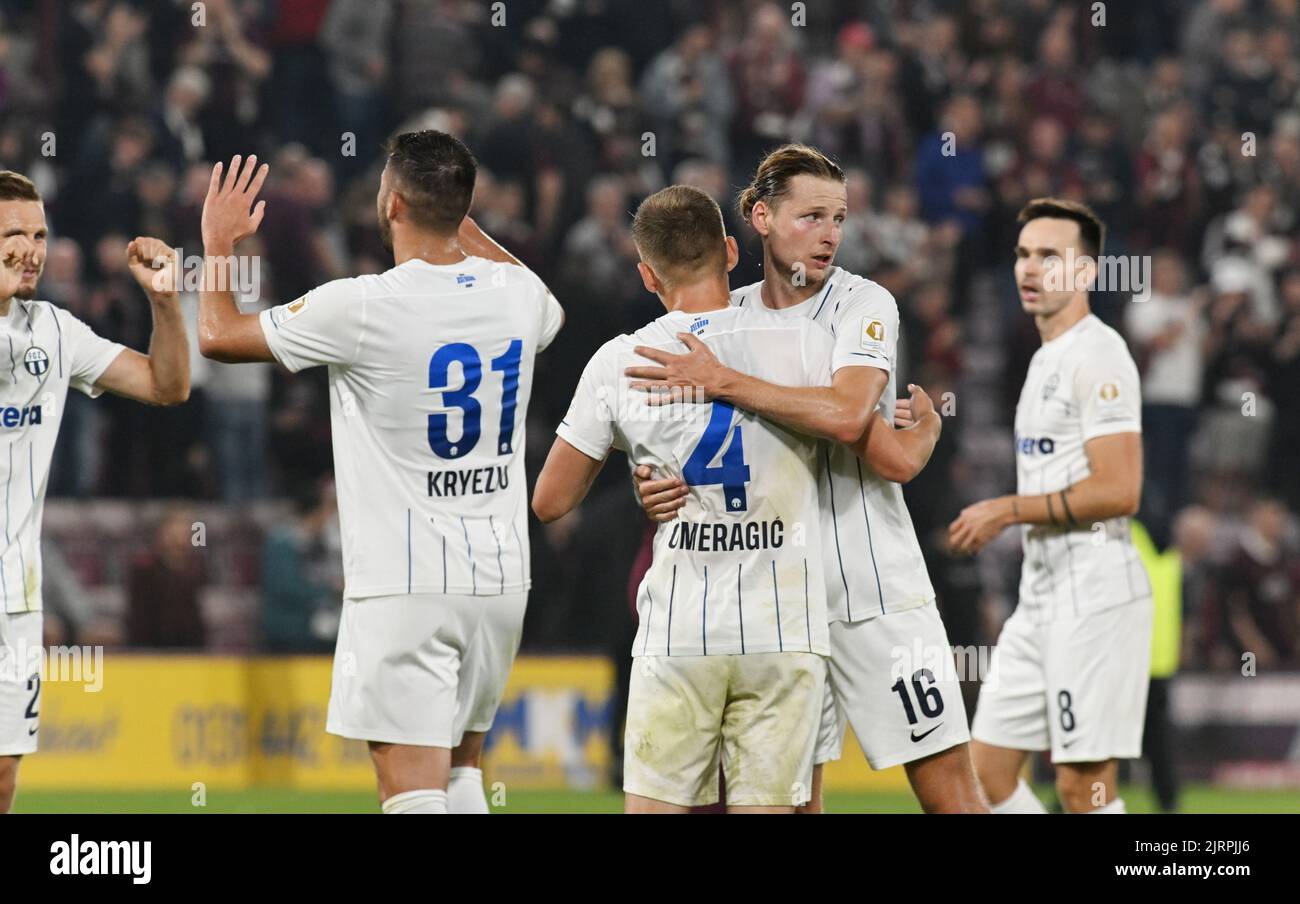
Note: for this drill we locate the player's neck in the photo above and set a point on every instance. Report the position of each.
(712, 295)
(438, 250)
(779, 293)
(1057, 324)
(5, 306)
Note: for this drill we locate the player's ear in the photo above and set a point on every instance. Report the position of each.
(396, 206)
(733, 253)
(759, 218)
(648, 278)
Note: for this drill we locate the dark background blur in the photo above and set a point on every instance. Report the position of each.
(1178, 121)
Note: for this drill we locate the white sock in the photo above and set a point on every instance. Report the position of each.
(1115, 806)
(1022, 800)
(465, 791)
(426, 800)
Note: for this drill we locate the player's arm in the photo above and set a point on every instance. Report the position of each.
(162, 377)
(839, 412)
(474, 241)
(1112, 489)
(565, 479)
(899, 455)
(226, 333)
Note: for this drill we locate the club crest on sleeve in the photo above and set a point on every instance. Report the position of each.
(36, 361)
(873, 335)
(1109, 392)
(286, 311)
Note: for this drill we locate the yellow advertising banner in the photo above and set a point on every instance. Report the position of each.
(239, 722)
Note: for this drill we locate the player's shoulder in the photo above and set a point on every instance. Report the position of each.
(38, 309)
(420, 276)
(41, 314)
(854, 293)
(1099, 343)
(747, 296)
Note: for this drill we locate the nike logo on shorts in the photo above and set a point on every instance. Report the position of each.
(919, 737)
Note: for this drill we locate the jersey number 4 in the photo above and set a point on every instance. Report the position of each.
(732, 473)
(471, 365)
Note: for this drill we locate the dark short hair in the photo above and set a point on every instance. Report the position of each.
(772, 179)
(1091, 229)
(17, 187)
(679, 232)
(435, 174)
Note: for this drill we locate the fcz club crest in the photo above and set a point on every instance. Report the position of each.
(36, 361)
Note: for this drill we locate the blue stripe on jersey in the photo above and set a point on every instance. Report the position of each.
(835, 522)
(776, 599)
(13, 365)
(469, 554)
(55, 315)
(520, 546)
(671, 590)
(825, 295)
(740, 607)
(871, 548)
(408, 550)
(501, 568)
(650, 614)
(31, 470)
(704, 617)
(807, 613)
(444, 564)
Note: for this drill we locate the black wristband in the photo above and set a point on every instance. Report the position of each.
(1068, 514)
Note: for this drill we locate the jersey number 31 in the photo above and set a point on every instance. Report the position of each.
(463, 398)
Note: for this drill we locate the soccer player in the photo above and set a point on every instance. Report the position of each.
(1069, 673)
(50, 350)
(880, 601)
(430, 372)
(730, 648)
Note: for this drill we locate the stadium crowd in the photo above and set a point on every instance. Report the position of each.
(1179, 122)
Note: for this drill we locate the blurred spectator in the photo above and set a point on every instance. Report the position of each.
(1284, 381)
(1261, 589)
(1167, 338)
(767, 75)
(355, 35)
(302, 589)
(163, 588)
(688, 97)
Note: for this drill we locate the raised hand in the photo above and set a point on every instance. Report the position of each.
(14, 252)
(228, 212)
(153, 264)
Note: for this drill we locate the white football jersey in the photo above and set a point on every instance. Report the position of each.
(871, 556)
(739, 570)
(43, 351)
(1080, 385)
(430, 372)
